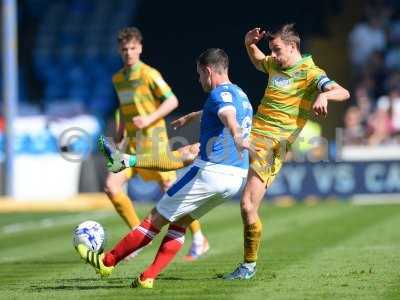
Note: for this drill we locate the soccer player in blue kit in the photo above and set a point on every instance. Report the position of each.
(217, 174)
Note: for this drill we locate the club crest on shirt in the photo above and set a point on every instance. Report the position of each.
(226, 96)
(301, 74)
(280, 81)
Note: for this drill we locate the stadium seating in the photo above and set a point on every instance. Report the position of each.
(75, 51)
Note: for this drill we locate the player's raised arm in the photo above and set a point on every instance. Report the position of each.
(255, 54)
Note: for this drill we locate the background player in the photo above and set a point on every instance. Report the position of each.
(218, 173)
(145, 99)
(295, 87)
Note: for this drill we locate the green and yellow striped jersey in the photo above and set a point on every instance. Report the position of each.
(288, 98)
(141, 90)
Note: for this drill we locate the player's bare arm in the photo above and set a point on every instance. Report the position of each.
(186, 119)
(255, 54)
(332, 92)
(165, 108)
(228, 118)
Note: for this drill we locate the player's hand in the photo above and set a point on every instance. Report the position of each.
(254, 36)
(189, 153)
(241, 144)
(142, 121)
(244, 144)
(320, 106)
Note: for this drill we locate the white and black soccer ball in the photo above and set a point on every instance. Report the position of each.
(91, 234)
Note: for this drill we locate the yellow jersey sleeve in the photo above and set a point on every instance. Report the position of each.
(158, 86)
(266, 64)
(318, 79)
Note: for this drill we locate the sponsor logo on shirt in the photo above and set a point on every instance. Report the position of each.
(280, 81)
(125, 97)
(135, 83)
(226, 96)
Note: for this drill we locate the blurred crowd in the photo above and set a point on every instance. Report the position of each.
(374, 51)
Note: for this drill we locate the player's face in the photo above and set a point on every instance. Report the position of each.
(282, 52)
(204, 77)
(130, 52)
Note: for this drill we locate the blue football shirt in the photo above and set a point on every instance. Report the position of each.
(216, 142)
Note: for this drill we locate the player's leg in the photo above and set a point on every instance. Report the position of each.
(189, 199)
(200, 244)
(251, 199)
(169, 247)
(265, 165)
(181, 157)
(138, 238)
(201, 247)
(172, 206)
(168, 161)
(252, 227)
(122, 203)
(117, 161)
(177, 202)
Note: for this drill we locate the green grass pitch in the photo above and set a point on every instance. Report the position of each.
(326, 251)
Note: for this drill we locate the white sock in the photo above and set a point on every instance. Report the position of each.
(198, 238)
(250, 266)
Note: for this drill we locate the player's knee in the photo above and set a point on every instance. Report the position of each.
(156, 219)
(246, 208)
(112, 186)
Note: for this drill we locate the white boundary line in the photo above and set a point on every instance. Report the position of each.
(51, 222)
(375, 199)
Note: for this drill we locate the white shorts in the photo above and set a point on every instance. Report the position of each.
(198, 191)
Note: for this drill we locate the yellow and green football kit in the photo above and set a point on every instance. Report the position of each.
(141, 90)
(283, 112)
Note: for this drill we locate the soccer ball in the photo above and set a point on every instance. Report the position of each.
(91, 234)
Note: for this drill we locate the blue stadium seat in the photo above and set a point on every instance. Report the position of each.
(76, 62)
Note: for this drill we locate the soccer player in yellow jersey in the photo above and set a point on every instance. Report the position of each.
(145, 99)
(295, 88)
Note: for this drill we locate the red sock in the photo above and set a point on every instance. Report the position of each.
(137, 238)
(170, 246)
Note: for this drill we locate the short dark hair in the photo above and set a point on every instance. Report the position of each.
(129, 33)
(216, 58)
(287, 33)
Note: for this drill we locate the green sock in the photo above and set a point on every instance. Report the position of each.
(132, 160)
